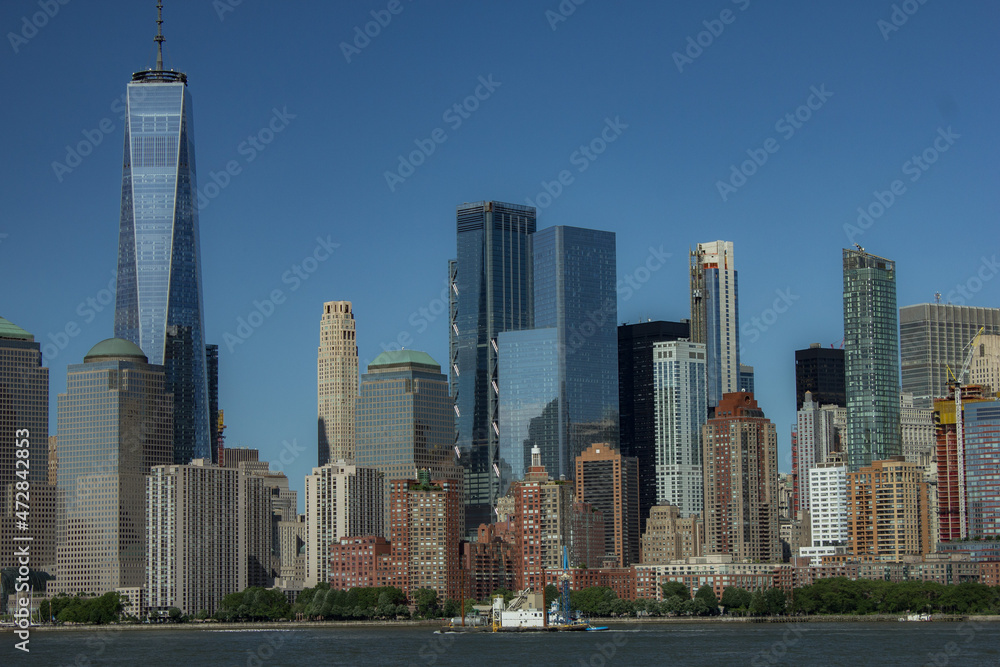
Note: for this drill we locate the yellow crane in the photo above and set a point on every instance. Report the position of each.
(958, 383)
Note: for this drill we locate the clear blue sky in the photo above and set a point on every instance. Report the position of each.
(680, 125)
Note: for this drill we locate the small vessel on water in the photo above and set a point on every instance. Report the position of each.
(917, 617)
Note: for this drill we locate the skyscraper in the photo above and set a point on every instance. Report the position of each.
(715, 315)
(158, 301)
(815, 440)
(821, 371)
(741, 481)
(490, 292)
(214, 421)
(336, 382)
(565, 372)
(887, 515)
(115, 424)
(609, 482)
(871, 359)
(636, 404)
(679, 381)
(933, 337)
(982, 463)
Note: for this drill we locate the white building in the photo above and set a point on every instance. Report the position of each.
(679, 385)
(985, 367)
(815, 441)
(918, 431)
(828, 508)
(342, 500)
(714, 315)
(336, 382)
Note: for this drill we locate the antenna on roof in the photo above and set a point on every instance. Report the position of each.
(159, 36)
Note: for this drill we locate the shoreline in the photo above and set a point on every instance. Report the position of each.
(264, 626)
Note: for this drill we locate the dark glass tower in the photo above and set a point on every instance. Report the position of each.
(871, 359)
(636, 399)
(821, 371)
(490, 293)
(158, 305)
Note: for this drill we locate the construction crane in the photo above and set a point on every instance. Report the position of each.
(564, 580)
(958, 383)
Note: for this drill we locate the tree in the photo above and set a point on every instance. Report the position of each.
(551, 594)
(174, 614)
(426, 601)
(735, 599)
(451, 609)
(675, 588)
(775, 601)
(707, 595)
(758, 606)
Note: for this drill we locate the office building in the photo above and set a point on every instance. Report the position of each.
(887, 515)
(669, 536)
(610, 483)
(814, 442)
(982, 465)
(336, 382)
(984, 368)
(490, 292)
(934, 337)
(680, 409)
(215, 425)
(158, 303)
(820, 370)
(636, 399)
(917, 430)
(747, 382)
(871, 359)
(715, 318)
(405, 419)
(115, 424)
(292, 536)
(341, 500)
(740, 450)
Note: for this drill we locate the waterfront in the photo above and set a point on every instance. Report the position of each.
(968, 643)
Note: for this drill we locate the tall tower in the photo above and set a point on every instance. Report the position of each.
(871, 359)
(336, 382)
(610, 483)
(715, 319)
(158, 302)
(490, 292)
(821, 371)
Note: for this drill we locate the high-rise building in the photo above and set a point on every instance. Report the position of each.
(933, 337)
(715, 315)
(425, 530)
(214, 416)
(814, 442)
(670, 536)
(405, 419)
(292, 536)
(336, 382)
(24, 427)
(636, 399)
(610, 483)
(982, 464)
(342, 500)
(820, 370)
(747, 381)
(984, 368)
(115, 424)
(917, 430)
(490, 292)
(827, 490)
(887, 515)
(202, 521)
(158, 300)
(740, 453)
(871, 359)
(680, 409)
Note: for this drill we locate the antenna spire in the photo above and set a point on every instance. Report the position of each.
(159, 36)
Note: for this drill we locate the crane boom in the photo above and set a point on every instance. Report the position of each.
(960, 431)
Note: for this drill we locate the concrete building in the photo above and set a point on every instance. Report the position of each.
(425, 528)
(815, 439)
(741, 481)
(292, 538)
(208, 535)
(586, 535)
(985, 367)
(828, 508)
(715, 320)
(360, 562)
(680, 410)
(336, 382)
(719, 571)
(934, 337)
(871, 354)
(24, 427)
(405, 419)
(887, 511)
(670, 536)
(610, 483)
(341, 500)
(490, 563)
(115, 424)
(917, 429)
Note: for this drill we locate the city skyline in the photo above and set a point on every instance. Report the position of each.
(71, 215)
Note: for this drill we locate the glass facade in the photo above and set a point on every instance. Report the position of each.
(490, 293)
(982, 467)
(715, 318)
(871, 359)
(24, 404)
(159, 265)
(681, 409)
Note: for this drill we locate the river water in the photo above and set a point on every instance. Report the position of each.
(936, 644)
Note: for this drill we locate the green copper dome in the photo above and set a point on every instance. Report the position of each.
(115, 348)
(395, 357)
(10, 330)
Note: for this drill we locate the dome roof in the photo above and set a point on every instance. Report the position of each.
(115, 348)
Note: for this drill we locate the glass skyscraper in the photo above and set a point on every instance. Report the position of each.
(490, 292)
(982, 468)
(871, 359)
(158, 303)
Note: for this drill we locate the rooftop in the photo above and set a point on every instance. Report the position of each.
(115, 348)
(10, 330)
(400, 357)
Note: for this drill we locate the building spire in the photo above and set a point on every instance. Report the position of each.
(159, 36)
